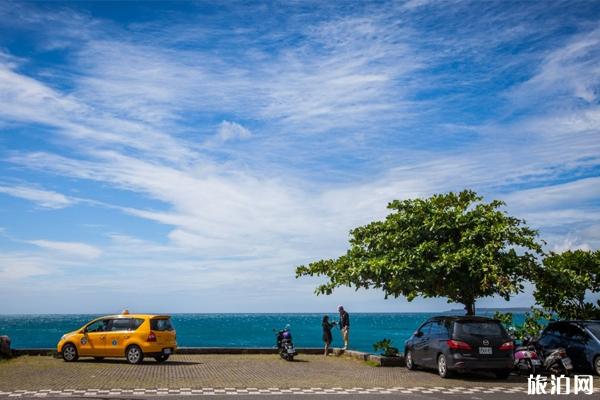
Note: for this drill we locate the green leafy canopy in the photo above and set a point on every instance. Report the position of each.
(565, 280)
(450, 245)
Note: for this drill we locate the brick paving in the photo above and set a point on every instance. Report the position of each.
(253, 373)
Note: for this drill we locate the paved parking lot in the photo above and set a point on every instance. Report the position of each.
(255, 376)
(225, 371)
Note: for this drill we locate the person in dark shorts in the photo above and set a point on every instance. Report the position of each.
(327, 332)
(344, 325)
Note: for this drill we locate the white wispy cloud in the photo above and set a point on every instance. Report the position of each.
(570, 71)
(75, 249)
(232, 131)
(16, 266)
(43, 198)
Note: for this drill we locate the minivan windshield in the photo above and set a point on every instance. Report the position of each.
(478, 328)
(162, 324)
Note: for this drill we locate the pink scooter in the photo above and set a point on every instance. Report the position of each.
(527, 361)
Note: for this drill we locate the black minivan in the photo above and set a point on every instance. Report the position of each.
(456, 344)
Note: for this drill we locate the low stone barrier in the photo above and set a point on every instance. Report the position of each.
(241, 350)
(379, 360)
(34, 352)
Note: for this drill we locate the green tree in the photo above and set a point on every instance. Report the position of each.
(449, 245)
(565, 281)
(534, 322)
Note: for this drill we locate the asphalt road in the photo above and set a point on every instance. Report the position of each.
(396, 396)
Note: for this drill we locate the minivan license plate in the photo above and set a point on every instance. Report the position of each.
(485, 350)
(167, 351)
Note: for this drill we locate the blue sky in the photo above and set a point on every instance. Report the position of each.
(185, 157)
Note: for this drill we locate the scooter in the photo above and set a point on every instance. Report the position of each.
(527, 361)
(557, 362)
(285, 346)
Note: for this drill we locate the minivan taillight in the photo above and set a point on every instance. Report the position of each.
(507, 346)
(458, 345)
(151, 337)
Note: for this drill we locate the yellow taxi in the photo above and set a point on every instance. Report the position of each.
(133, 336)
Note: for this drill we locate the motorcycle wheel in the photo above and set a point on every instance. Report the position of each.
(558, 369)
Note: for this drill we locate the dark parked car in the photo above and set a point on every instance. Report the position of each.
(581, 340)
(457, 344)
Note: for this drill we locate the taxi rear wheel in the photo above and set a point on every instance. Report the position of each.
(69, 352)
(162, 358)
(134, 354)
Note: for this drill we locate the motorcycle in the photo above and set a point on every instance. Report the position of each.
(285, 346)
(531, 360)
(557, 362)
(527, 361)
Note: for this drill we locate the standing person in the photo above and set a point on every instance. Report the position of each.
(344, 325)
(327, 332)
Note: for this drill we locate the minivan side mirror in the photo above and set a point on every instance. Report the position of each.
(418, 333)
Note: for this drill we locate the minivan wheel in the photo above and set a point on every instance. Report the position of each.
(69, 352)
(134, 354)
(443, 367)
(408, 360)
(597, 365)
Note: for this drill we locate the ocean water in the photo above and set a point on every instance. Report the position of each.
(230, 330)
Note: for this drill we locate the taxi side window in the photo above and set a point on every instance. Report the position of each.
(98, 326)
(121, 324)
(136, 323)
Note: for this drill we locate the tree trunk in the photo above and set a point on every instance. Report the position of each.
(470, 307)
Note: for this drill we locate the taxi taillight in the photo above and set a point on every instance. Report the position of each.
(151, 337)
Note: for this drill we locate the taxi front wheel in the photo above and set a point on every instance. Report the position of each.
(69, 352)
(134, 354)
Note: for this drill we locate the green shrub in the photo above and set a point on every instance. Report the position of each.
(386, 348)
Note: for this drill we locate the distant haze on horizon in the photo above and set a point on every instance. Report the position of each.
(187, 156)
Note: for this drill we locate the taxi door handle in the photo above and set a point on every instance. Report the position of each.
(102, 337)
(126, 337)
